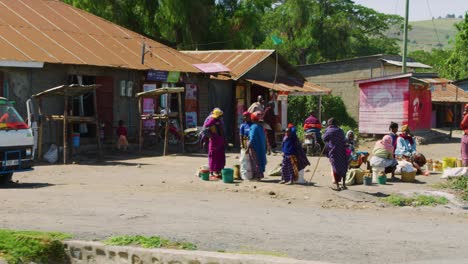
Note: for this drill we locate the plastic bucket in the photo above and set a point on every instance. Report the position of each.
(203, 171)
(382, 179)
(376, 173)
(75, 140)
(228, 175)
(449, 162)
(367, 180)
(205, 176)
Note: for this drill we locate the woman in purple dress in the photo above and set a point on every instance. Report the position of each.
(216, 153)
(336, 144)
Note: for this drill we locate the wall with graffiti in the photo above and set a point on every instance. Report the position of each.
(393, 100)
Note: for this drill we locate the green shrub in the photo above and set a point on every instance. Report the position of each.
(299, 108)
(32, 246)
(149, 242)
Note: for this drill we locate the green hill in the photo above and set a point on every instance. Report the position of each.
(423, 36)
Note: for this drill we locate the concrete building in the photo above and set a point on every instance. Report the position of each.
(340, 76)
(47, 43)
(251, 73)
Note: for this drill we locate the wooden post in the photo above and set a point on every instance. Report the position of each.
(182, 139)
(320, 109)
(140, 132)
(65, 126)
(41, 128)
(166, 131)
(96, 117)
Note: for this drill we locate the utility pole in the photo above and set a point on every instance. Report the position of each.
(405, 37)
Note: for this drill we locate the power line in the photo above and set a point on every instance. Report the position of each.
(433, 23)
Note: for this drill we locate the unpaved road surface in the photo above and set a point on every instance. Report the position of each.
(161, 196)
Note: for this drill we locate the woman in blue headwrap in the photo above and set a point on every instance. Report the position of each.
(294, 157)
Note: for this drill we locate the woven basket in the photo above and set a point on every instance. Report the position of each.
(408, 176)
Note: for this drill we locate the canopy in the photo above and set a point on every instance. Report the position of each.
(161, 91)
(293, 86)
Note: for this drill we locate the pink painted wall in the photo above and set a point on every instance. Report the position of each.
(381, 103)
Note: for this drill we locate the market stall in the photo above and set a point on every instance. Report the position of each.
(163, 116)
(67, 93)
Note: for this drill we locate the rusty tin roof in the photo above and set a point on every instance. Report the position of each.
(449, 94)
(54, 32)
(293, 86)
(238, 61)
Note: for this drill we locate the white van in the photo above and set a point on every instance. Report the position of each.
(16, 142)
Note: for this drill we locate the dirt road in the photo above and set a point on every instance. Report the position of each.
(161, 196)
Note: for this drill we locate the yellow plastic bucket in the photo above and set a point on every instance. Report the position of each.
(449, 162)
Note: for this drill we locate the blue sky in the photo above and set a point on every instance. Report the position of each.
(419, 9)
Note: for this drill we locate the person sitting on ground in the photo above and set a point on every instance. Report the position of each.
(393, 128)
(406, 144)
(313, 124)
(382, 156)
(294, 157)
(355, 158)
(122, 143)
(406, 149)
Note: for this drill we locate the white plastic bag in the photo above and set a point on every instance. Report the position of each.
(52, 154)
(245, 168)
(455, 172)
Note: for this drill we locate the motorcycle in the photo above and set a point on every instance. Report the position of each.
(192, 139)
(311, 145)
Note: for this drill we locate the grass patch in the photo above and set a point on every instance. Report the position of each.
(148, 242)
(458, 185)
(419, 200)
(32, 246)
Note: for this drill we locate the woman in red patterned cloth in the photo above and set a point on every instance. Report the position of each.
(464, 141)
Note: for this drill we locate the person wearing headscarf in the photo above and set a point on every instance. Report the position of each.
(256, 148)
(464, 141)
(335, 140)
(216, 152)
(382, 155)
(406, 145)
(294, 157)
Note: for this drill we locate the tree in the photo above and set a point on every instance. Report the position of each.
(324, 30)
(457, 64)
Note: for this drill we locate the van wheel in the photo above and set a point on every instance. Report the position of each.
(6, 178)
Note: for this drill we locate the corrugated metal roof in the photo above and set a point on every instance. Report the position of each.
(449, 94)
(293, 86)
(54, 32)
(238, 61)
(408, 64)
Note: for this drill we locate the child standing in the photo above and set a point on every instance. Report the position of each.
(122, 142)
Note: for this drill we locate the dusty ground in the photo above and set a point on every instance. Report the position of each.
(161, 196)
